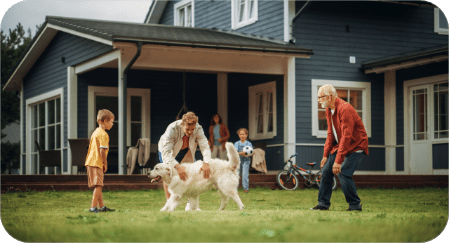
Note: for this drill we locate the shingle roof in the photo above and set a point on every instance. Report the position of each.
(175, 35)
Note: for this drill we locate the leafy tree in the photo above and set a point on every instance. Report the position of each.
(13, 47)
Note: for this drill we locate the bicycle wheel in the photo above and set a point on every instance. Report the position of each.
(287, 180)
(318, 179)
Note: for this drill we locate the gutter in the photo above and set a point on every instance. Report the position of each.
(292, 39)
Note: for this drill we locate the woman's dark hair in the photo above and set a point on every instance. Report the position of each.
(212, 122)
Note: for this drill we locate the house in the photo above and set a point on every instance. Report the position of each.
(257, 63)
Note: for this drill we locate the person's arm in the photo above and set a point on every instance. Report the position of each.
(103, 154)
(346, 128)
(227, 133)
(330, 137)
(168, 145)
(204, 146)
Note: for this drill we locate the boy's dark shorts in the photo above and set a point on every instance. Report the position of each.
(95, 176)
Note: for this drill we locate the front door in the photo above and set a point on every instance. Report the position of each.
(421, 145)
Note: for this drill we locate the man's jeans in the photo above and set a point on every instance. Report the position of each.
(348, 167)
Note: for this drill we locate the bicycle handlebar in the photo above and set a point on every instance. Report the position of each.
(290, 158)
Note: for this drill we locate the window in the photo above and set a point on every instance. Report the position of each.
(244, 12)
(138, 112)
(44, 121)
(184, 13)
(262, 111)
(441, 127)
(440, 22)
(358, 94)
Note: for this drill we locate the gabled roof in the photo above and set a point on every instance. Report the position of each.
(109, 32)
(155, 12)
(407, 60)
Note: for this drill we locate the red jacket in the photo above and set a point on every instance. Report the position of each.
(350, 131)
(224, 133)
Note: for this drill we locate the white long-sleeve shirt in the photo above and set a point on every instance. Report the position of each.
(171, 142)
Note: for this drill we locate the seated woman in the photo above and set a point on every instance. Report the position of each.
(218, 136)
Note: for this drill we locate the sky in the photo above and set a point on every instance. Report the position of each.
(32, 12)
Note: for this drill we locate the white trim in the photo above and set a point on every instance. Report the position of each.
(222, 96)
(96, 62)
(289, 108)
(113, 92)
(289, 14)
(39, 99)
(183, 4)
(436, 18)
(87, 36)
(366, 95)
(21, 131)
(72, 111)
(440, 171)
(390, 120)
(252, 90)
(234, 15)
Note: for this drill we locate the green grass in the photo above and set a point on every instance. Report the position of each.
(407, 215)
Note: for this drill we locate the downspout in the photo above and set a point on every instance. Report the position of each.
(292, 39)
(122, 103)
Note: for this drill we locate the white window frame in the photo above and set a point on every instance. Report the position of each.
(57, 93)
(365, 87)
(183, 5)
(252, 91)
(94, 91)
(235, 14)
(431, 121)
(437, 28)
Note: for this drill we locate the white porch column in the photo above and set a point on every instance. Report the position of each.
(72, 110)
(390, 121)
(121, 116)
(289, 109)
(222, 96)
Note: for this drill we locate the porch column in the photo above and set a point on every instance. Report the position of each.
(289, 109)
(222, 96)
(72, 111)
(390, 121)
(121, 116)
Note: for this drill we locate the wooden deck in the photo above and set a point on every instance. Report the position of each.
(138, 182)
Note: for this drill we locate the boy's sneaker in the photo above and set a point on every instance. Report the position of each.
(105, 209)
(319, 207)
(94, 210)
(355, 209)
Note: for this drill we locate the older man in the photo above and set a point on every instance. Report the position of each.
(179, 143)
(346, 144)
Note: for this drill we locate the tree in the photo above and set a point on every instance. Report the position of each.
(12, 48)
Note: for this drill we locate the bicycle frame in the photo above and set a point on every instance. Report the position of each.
(298, 170)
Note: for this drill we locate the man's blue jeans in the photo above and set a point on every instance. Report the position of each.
(348, 167)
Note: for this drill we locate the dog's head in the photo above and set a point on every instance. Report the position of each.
(161, 171)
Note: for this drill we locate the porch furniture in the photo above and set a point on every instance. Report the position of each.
(145, 154)
(79, 148)
(49, 158)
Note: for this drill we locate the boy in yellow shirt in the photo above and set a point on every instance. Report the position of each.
(96, 161)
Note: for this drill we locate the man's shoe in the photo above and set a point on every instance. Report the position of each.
(319, 207)
(105, 209)
(355, 209)
(94, 210)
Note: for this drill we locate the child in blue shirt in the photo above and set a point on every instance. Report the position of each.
(244, 161)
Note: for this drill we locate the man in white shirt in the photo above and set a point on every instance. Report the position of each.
(179, 143)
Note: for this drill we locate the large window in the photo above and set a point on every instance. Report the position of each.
(355, 93)
(441, 101)
(262, 111)
(440, 22)
(244, 12)
(184, 13)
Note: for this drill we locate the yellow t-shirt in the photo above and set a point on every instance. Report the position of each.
(99, 139)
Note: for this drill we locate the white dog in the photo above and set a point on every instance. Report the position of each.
(224, 176)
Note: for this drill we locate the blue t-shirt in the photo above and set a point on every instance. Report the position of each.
(239, 146)
(216, 134)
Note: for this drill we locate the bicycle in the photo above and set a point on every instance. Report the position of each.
(287, 179)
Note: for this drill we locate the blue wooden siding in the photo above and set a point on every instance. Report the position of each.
(49, 73)
(440, 156)
(218, 15)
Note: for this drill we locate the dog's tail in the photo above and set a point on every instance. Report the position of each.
(233, 156)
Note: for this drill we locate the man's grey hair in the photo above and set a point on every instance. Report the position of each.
(328, 89)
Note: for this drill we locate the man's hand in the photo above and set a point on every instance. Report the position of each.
(206, 170)
(105, 168)
(336, 169)
(182, 172)
(323, 161)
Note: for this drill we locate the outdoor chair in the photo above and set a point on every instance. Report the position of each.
(141, 157)
(79, 148)
(49, 158)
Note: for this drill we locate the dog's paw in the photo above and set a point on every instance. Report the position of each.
(198, 209)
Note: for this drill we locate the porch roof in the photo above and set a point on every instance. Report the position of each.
(110, 32)
(407, 60)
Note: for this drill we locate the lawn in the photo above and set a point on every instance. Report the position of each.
(270, 215)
